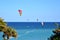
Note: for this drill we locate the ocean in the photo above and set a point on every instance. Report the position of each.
(32, 30)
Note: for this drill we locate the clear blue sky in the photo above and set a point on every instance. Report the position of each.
(44, 10)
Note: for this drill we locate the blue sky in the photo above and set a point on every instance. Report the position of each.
(44, 10)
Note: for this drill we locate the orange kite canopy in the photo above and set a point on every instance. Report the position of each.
(20, 12)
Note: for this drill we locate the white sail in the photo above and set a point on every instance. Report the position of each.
(42, 23)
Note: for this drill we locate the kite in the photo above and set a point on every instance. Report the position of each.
(20, 12)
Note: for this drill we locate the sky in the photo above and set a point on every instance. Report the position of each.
(43, 10)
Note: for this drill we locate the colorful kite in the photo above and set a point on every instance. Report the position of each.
(20, 12)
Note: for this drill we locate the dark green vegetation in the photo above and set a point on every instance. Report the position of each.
(7, 30)
(56, 35)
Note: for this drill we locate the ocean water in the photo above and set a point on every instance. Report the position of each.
(31, 30)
